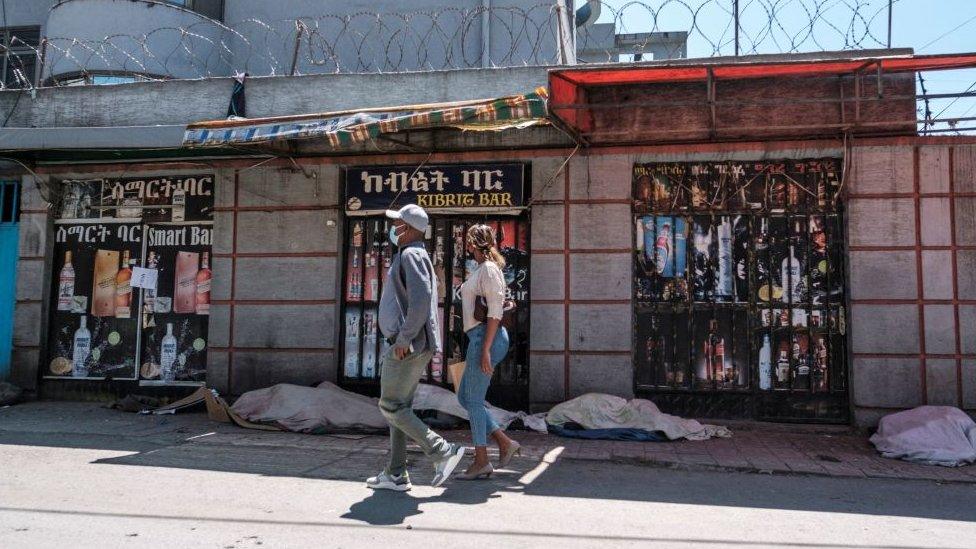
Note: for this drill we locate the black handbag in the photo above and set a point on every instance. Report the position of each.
(481, 311)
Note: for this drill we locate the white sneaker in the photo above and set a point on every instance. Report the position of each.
(446, 465)
(384, 481)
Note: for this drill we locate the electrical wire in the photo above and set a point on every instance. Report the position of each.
(959, 26)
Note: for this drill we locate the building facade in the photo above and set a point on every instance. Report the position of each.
(645, 265)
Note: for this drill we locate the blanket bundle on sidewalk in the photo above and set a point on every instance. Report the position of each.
(932, 435)
(600, 411)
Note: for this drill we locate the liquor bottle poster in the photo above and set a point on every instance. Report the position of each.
(176, 314)
(176, 198)
(93, 326)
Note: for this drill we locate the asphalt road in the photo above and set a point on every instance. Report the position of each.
(109, 491)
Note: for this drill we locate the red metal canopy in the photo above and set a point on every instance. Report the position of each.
(566, 85)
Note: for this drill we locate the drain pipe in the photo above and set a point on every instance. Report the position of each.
(485, 33)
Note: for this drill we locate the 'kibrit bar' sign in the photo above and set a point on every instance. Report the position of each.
(436, 187)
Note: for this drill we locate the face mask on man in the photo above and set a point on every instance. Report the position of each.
(394, 236)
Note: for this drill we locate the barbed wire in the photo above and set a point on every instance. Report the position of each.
(449, 38)
(446, 38)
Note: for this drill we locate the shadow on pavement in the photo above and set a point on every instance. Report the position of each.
(168, 442)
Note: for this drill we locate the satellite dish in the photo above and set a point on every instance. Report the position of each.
(588, 13)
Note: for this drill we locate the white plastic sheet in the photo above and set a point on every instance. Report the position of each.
(933, 435)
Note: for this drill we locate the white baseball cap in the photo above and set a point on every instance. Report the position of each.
(412, 215)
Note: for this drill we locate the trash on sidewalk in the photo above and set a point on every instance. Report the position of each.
(9, 393)
(601, 411)
(322, 409)
(931, 435)
(136, 404)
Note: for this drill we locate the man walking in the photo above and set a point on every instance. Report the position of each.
(408, 320)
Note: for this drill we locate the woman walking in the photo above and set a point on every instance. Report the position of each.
(487, 346)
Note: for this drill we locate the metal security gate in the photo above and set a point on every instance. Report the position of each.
(739, 289)
(368, 254)
(9, 248)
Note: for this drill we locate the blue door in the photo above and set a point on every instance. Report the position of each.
(9, 238)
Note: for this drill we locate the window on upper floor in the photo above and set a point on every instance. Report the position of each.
(213, 9)
(19, 46)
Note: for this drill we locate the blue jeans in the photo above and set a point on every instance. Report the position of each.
(474, 382)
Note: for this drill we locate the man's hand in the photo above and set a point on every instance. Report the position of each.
(401, 352)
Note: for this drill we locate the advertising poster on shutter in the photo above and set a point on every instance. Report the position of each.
(176, 313)
(175, 198)
(93, 307)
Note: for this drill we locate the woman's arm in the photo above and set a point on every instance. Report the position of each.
(493, 286)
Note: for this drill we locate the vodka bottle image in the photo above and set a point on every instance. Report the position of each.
(149, 294)
(723, 278)
(204, 276)
(766, 365)
(123, 288)
(167, 354)
(66, 284)
(81, 349)
(782, 367)
(663, 260)
(179, 204)
(791, 278)
(351, 358)
(680, 247)
(69, 205)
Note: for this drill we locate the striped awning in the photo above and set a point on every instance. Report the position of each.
(351, 127)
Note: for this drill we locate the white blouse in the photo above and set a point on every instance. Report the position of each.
(489, 281)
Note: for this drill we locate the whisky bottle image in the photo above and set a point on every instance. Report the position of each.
(123, 288)
(81, 349)
(802, 380)
(820, 365)
(103, 283)
(167, 354)
(204, 276)
(721, 372)
(357, 235)
(69, 205)
(351, 358)
(66, 284)
(783, 367)
(369, 345)
(766, 365)
(179, 204)
(84, 206)
(185, 292)
(149, 294)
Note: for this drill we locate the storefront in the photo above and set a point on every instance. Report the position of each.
(456, 196)
(130, 297)
(779, 273)
(739, 288)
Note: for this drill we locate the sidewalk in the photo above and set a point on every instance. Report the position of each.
(753, 448)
